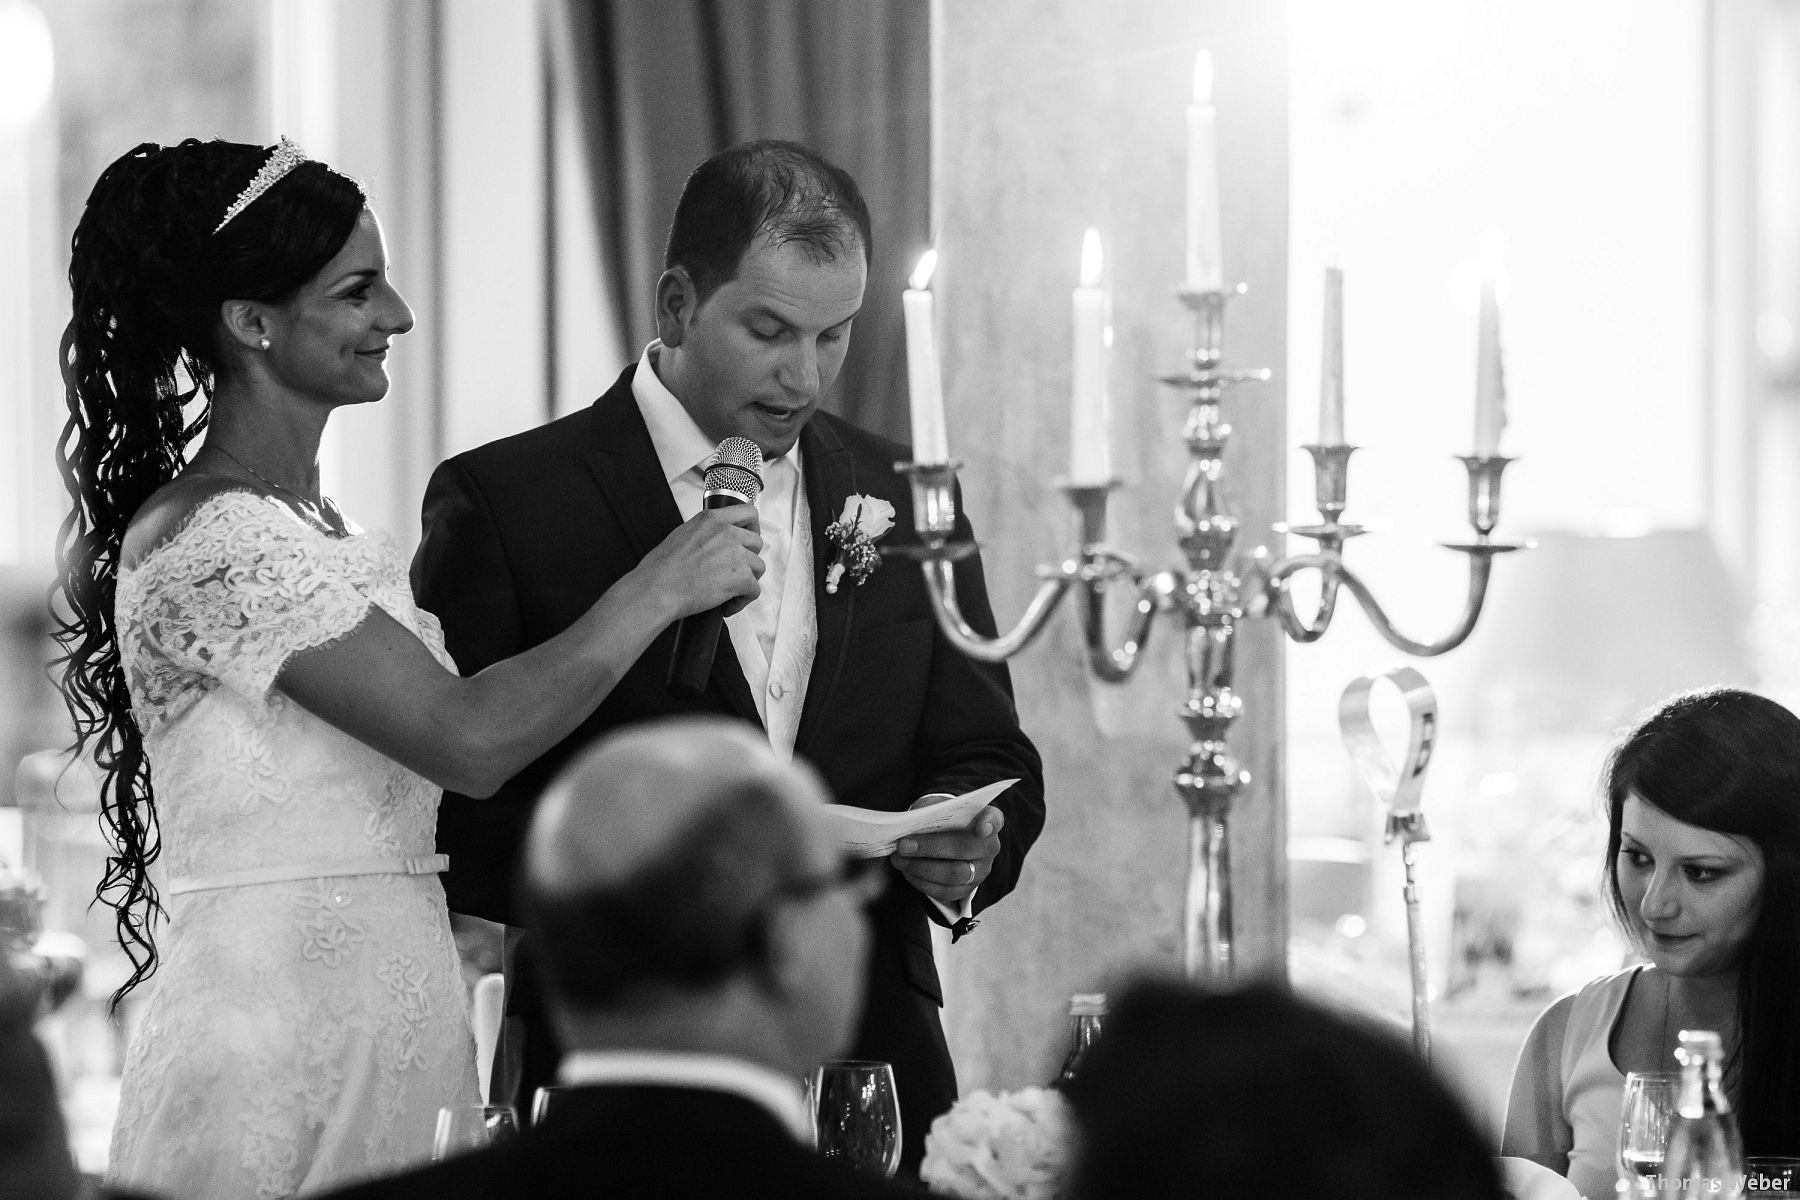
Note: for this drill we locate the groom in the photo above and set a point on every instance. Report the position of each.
(764, 272)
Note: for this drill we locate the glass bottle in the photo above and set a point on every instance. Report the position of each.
(1086, 1011)
(1705, 1158)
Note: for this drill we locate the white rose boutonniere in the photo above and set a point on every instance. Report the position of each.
(1018, 1145)
(864, 519)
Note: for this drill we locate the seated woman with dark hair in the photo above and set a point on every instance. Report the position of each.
(1258, 1092)
(1703, 873)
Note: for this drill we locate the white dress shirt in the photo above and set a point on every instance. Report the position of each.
(776, 634)
(716, 1072)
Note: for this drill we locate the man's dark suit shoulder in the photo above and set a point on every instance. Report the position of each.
(861, 441)
(526, 452)
(653, 1143)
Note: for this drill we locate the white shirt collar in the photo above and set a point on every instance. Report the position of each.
(781, 1096)
(680, 446)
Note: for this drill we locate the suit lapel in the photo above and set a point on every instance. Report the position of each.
(623, 461)
(624, 464)
(830, 479)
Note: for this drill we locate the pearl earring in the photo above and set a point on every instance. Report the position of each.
(264, 343)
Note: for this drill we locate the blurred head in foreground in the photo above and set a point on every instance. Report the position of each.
(34, 1145)
(1258, 1092)
(688, 896)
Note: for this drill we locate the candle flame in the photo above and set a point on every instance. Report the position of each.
(1091, 261)
(1203, 77)
(921, 276)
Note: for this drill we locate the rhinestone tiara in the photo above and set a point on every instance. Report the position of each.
(282, 159)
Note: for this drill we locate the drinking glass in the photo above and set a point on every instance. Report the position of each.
(465, 1127)
(855, 1113)
(1649, 1103)
(543, 1100)
(1772, 1177)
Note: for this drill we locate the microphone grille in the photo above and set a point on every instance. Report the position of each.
(736, 467)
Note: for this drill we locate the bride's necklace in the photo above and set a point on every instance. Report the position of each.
(321, 510)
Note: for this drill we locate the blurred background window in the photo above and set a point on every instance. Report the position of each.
(1635, 159)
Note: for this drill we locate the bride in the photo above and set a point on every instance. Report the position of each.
(265, 701)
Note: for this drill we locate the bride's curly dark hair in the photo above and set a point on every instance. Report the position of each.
(148, 276)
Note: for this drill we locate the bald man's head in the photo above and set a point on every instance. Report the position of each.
(655, 856)
(631, 793)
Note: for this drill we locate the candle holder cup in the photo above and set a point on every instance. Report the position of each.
(1207, 597)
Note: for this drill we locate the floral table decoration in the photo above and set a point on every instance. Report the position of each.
(1016, 1145)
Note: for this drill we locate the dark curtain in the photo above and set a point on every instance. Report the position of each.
(664, 83)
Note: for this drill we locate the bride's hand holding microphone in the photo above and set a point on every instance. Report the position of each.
(471, 734)
(713, 560)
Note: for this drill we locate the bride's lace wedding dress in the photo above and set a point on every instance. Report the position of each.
(308, 1017)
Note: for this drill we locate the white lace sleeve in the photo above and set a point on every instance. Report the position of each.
(241, 588)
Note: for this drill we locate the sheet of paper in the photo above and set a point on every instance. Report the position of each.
(871, 833)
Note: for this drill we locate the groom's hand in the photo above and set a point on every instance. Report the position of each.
(949, 866)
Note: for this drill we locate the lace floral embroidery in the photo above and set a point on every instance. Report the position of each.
(301, 1035)
(408, 980)
(327, 933)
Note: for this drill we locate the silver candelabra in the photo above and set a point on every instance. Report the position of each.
(1218, 588)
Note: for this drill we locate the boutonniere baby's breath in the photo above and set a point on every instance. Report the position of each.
(864, 519)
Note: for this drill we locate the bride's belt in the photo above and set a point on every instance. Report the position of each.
(417, 864)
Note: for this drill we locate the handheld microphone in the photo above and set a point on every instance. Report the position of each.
(734, 477)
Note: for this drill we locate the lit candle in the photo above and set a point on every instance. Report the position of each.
(1490, 372)
(930, 443)
(1331, 362)
(1205, 261)
(1090, 453)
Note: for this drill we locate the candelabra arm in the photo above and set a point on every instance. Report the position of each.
(940, 582)
(1110, 664)
(1282, 602)
(934, 516)
(1331, 474)
(1481, 558)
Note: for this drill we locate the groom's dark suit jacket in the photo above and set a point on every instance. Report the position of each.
(523, 534)
(640, 1143)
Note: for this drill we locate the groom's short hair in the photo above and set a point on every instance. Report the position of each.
(782, 189)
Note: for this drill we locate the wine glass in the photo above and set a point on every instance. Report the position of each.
(543, 1100)
(1649, 1103)
(855, 1113)
(465, 1127)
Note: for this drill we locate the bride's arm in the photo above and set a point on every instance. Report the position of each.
(382, 686)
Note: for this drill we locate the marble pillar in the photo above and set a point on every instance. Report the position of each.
(1050, 116)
